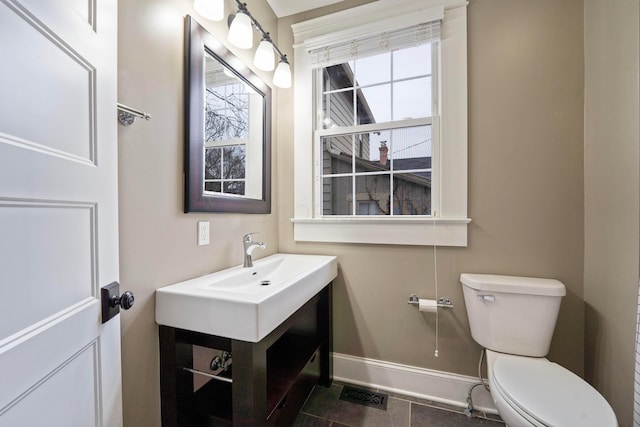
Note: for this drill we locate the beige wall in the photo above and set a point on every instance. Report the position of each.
(157, 240)
(525, 187)
(611, 198)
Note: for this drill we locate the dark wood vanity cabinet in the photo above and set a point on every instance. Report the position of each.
(268, 381)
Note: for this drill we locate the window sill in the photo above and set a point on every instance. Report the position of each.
(384, 231)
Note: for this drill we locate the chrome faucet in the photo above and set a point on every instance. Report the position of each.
(249, 245)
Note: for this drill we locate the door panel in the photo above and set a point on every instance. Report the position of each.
(41, 350)
(34, 232)
(59, 365)
(56, 86)
(70, 393)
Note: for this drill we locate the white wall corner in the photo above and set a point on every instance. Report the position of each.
(443, 387)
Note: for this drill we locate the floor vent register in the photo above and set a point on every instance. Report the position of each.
(364, 397)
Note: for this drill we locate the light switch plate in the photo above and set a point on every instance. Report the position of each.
(203, 233)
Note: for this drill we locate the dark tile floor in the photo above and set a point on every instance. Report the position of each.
(325, 409)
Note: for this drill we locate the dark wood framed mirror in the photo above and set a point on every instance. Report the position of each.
(227, 129)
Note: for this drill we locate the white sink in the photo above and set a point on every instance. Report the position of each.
(245, 303)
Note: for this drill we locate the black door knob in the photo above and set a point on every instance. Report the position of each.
(111, 301)
(125, 300)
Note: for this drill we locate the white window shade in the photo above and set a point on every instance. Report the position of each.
(345, 46)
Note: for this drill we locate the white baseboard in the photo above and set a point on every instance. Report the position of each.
(443, 387)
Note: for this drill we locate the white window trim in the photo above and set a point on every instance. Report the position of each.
(449, 226)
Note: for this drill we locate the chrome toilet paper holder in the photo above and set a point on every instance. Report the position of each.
(443, 302)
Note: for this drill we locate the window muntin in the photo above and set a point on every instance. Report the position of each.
(392, 97)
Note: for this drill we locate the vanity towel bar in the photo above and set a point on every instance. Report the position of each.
(206, 374)
(127, 115)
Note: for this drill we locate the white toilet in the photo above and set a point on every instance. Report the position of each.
(514, 318)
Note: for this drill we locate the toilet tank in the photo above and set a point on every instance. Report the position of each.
(510, 314)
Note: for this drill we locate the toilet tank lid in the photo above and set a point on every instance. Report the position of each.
(513, 284)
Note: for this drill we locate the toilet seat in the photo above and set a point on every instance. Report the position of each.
(546, 394)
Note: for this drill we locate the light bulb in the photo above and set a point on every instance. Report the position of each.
(240, 31)
(210, 9)
(264, 59)
(282, 75)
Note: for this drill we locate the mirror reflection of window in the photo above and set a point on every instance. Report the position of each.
(224, 170)
(226, 130)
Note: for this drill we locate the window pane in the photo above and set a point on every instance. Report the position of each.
(337, 196)
(412, 62)
(373, 191)
(234, 162)
(337, 109)
(374, 104)
(226, 112)
(212, 163)
(373, 69)
(234, 187)
(411, 194)
(213, 186)
(337, 154)
(380, 146)
(412, 148)
(412, 99)
(214, 124)
(337, 77)
(362, 146)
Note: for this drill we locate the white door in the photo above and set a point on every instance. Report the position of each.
(59, 365)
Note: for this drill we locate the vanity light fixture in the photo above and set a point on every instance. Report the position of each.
(210, 9)
(240, 28)
(282, 76)
(241, 25)
(263, 58)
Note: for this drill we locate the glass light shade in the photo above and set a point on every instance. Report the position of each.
(210, 9)
(264, 58)
(241, 32)
(282, 76)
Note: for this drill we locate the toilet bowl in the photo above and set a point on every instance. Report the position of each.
(513, 318)
(532, 391)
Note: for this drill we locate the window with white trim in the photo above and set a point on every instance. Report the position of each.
(374, 128)
(380, 113)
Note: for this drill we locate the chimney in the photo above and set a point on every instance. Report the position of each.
(384, 153)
